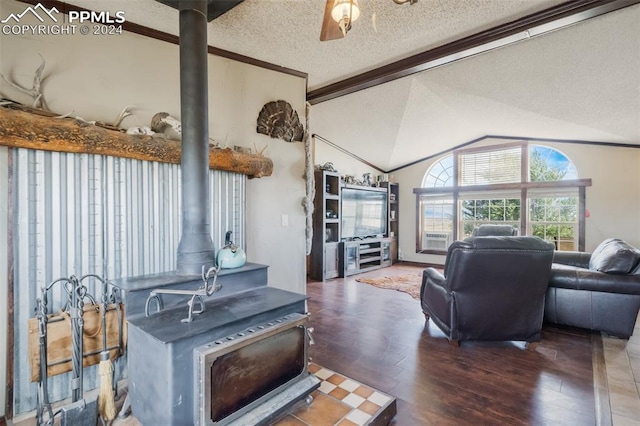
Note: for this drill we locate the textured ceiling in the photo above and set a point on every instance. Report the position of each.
(287, 32)
(580, 82)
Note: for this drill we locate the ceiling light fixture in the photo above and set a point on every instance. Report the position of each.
(345, 12)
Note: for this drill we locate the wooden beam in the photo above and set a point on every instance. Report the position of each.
(21, 129)
(553, 18)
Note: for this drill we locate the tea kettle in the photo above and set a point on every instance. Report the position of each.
(230, 256)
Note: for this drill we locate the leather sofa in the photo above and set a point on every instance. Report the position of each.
(493, 288)
(596, 291)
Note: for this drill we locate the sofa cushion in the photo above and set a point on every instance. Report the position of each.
(614, 256)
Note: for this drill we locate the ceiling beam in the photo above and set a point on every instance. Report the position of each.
(551, 19)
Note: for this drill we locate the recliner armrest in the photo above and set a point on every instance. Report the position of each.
(436, 299)
(434, 276)
(579, 259)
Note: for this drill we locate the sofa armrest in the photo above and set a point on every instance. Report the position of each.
(573, 258)
(584, 279)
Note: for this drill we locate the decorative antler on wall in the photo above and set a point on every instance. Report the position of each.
(279, 120)
(36, 90)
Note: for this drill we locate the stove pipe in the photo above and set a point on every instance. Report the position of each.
(196, 247)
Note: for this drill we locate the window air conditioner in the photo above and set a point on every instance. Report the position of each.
(436, 240)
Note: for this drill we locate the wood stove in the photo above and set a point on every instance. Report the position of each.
(242, 360)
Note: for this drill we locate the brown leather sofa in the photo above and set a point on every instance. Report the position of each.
(597, 291)
(493, 288)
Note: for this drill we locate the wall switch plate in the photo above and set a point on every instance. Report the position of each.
(285, 219)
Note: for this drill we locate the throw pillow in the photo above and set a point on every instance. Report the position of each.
(614, 256)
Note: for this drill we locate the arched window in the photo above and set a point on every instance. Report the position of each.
(440, 174)
(491, 188)
(548, 164)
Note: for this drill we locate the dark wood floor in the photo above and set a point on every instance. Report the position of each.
(380, 338)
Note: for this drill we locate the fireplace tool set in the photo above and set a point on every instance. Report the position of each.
(49, 337)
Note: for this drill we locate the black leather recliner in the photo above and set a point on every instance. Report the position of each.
(597, 291)
(493, 288)
(492, 230)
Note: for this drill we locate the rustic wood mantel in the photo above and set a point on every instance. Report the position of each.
(23, 129)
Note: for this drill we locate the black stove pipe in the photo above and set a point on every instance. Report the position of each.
(195, 248)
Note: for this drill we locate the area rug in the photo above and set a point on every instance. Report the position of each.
(409, 283)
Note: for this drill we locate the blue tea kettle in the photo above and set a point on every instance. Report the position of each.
(230, 256)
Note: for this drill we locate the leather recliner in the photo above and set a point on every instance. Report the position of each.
(494, 230)
(493, 288)
(597, 291)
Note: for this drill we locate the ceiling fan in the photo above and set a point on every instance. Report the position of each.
(340, 14)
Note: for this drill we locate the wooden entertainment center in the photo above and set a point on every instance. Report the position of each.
(338, 252)
(363, 255)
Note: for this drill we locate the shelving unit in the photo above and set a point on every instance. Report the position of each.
(394, 210)
(325, 253)
(331, 256)
(364, 255)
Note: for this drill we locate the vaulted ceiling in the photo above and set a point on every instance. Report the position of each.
(579, 82)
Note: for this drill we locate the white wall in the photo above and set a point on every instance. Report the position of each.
(96, 76)
(342, 162)
(613, 200)
(269, 242)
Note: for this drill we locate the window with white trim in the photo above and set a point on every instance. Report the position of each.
(532, 187)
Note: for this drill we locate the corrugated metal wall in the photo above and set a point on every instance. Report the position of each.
(76, 214)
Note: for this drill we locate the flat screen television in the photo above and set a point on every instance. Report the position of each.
(364, 213)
